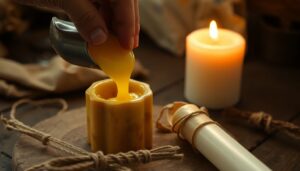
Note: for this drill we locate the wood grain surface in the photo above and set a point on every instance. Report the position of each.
(71, 127)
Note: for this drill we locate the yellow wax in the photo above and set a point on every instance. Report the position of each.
(119, 110)
(116, 62)
(214, 67)
(115, 126)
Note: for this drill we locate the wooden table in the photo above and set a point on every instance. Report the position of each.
(265, 87)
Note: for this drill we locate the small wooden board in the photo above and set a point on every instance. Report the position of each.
(71, 127)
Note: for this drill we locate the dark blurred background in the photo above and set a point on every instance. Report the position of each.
(272, 27)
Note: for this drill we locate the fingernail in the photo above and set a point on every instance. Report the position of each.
(131, 43)
(98, 37)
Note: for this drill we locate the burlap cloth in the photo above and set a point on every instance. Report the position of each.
(168, 22)
(56, 76)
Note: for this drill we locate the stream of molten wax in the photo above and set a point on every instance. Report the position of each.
(117, 63)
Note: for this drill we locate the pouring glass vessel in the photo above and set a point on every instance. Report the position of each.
(68, 43)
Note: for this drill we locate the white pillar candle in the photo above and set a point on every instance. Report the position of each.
(212, 141)
(214, 59)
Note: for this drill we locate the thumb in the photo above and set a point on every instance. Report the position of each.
(89, 22)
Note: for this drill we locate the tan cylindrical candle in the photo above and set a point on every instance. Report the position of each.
(115, 126)
(210, 139)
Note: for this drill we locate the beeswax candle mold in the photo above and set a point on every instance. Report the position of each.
(119, 126)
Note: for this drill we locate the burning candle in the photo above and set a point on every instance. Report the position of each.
(214, 59)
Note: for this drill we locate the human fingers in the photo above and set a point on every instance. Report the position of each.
(123, 22)
(90, 24)
(136, 23)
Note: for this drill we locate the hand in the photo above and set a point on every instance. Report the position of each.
(94, 18)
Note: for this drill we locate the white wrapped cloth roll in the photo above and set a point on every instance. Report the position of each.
(194, 125)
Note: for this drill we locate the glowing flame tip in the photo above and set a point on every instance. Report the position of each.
(213, 30)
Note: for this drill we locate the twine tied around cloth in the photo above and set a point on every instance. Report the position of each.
(177, 125)
(82, 159)
(265, 120)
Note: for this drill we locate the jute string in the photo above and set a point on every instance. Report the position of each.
(169, 111)
(265, 120)
(82, 159)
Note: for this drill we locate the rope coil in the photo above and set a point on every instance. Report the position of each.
(81, 159)
(265, 120)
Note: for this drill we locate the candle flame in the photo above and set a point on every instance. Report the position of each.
(213, 30)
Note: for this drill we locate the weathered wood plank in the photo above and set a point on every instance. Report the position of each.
(28, 152)
(281, 152)
(31, 116)
(8, 139)
(5, 162)
(5, 104)
(272, 89)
